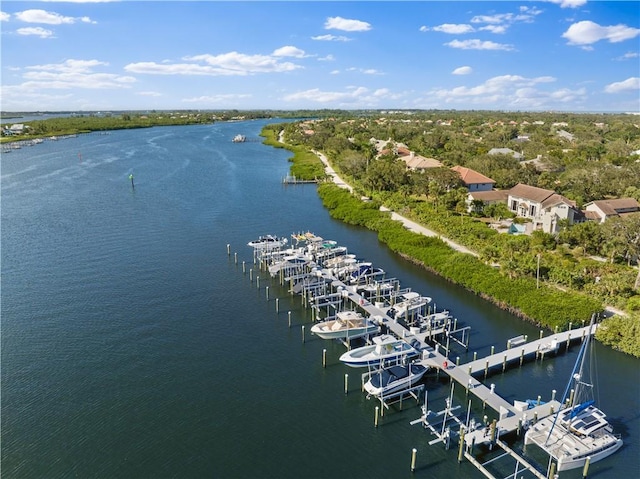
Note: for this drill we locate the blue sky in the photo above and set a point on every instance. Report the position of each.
(567, 55)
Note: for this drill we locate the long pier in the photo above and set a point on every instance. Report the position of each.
(322, 288)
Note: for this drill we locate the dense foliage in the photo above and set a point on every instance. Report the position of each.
(545, 306)
(584, 157)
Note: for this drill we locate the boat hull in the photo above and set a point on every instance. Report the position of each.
(390, 382)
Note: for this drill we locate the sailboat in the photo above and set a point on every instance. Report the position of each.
(580, 431)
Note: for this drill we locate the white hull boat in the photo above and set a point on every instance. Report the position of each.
(410, 304)
(268, 242)
(290, 264)
(395, 379)
(579, 431)
(386, 349)
(347, 325)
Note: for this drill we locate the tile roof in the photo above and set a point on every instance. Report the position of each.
(471, 177)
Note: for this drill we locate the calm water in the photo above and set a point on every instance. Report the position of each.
(133, 346)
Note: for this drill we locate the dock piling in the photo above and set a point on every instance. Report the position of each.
(414, 453)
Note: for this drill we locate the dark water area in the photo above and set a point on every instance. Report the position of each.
(133, 346)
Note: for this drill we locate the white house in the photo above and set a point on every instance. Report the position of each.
(601, 210)
(506, 151)
(545, 208)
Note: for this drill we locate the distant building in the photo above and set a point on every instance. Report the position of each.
(473, 180)
(601, 210)
(417, 162)
(506, 151)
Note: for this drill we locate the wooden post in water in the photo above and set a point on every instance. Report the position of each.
(324, 358)
(303, 333)
(461, 446)
(235, 258)
(375, 419)
(228, 249)
(289, 316)
(414, 453)
(133, 186)
(346, 384)
(244, 268)
(277, 304)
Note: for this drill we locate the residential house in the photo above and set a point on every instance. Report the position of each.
(506, 151)
(545, 208)
(417, 162)
(486, 197)
(601, 210)
(473, 180)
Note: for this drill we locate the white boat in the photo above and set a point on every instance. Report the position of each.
(340, 261)
(239, 139)
(294, 263)
(580, 430)
(364, 271)
(267, 242)
(386, 349)
(410, 303)
(347, 325)
(394, 379)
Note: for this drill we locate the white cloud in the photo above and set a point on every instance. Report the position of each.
(215, 99)
(36, 31)
(68, 75)
(629, 56)
(493, 19)
(289, 51)
(149, 93)
(462, 70)
(48, 18)
(331, 38)
(335, 72)
(587, 32)
(328, 58)
(4, 17)
(352, 96)
(478, 45)
(568, 3)
(454, 28)
(498, 29)
(344, 24)
(512, 91)
(225, 64)
(632, 83)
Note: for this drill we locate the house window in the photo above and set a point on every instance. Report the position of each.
(514, 205)
(532, 210)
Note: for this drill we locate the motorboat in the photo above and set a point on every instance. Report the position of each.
(377, 289)
(267, 242)
(409, 304)
(435, 320)
(580, 431)
(347, 325)
(363, 272)
(385, 349)
(395, 379)
(340, 261)
(239, 139)
(294, 263)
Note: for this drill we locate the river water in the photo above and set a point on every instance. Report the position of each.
(133, 346)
